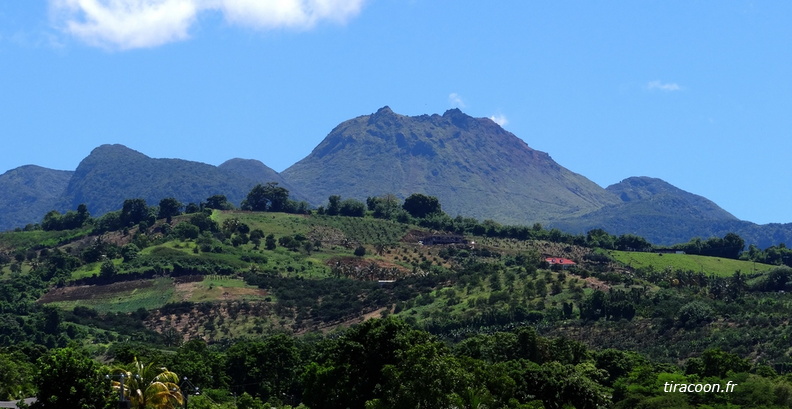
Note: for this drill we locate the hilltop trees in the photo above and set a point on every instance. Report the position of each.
(219, 202)
(266, 198)
(135, 211)
(71, 220)
(348, 207)
(168, 208)
(334, 205)
(384, 207)
(729, 246)
(419, 205)
(272, 198)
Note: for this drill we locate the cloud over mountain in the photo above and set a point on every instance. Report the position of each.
(128, 24)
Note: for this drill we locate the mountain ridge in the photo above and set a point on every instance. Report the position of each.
(454, 157)
(29, 192)
(474, 166)
(120, 173)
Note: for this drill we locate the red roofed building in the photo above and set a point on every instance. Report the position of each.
(559, 261)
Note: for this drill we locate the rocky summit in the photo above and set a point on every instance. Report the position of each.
(475, 167)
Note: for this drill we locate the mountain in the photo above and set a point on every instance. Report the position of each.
(659, 196)
(472, 165)
(252, 169)
(665, 215)
(28, 193)
(475, 167)
(113, 173)
(260, 173)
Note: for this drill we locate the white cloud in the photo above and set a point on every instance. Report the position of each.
(126, 24)
(288, 13)
(661, 86)
(499, 119)
(456, 100)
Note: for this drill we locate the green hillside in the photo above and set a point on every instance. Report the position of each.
(338, 302)
(688, 262)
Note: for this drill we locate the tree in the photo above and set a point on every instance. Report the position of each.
(600, 238)
(149, 386)
(16, 376)
(68, 378)
(426, 376)
(133, 212)
(218, 202)
(52, 221)
(270, 242)
(420, 206)
(334, 205)
(204, 222)
(266, 368)
(255, 236)
(352, 208)
(130, 252)
(732, 245)
(632, 242)
(168, 208)
(360, 251)
(559, 385)
(386, 207)
(108, 268)
(204, 366)
(267, 198)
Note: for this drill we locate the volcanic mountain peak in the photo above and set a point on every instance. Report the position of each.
(456, 157)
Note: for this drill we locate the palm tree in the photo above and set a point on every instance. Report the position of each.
(149, 387)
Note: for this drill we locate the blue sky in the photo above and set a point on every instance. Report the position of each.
(698, 93)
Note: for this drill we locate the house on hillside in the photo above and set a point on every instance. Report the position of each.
(564, 263)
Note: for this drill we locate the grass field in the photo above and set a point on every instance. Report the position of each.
(28, 239)
(279, 224)
(691, 262)
(148, 294)
(364, 230)
(214, 288)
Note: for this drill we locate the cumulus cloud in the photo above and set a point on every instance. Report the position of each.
(663, 86)
(301, 14)
(456, 100)
(126, 24)
(499, 119)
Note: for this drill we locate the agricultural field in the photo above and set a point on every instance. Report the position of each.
(24, 240)
(219, 288)
(128, 296)
(688, 262)
(279, 224)
(125, 296)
